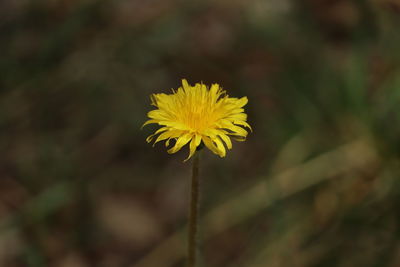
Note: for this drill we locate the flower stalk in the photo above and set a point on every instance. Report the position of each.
(194, 213)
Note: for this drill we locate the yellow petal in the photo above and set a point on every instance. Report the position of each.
(182, 140)
(214, 133)
(167, 142)
(148, 122)
(159, 99)
(214, 92)
(193, 145)
(220, 146)
(210, 145)
(238, 116)
(158, 115)
(242, 102)
(226, 124)
(185, 84)
(214, 89)
(239, 130)
(226, 139)
(150, 137)
(243, 123)
(239, 138)
(153, 99)
(167, 135)
(237, 111)
(174, 124)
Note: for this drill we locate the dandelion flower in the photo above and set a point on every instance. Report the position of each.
(198, 114)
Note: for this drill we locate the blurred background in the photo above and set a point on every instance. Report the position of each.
(316, 184)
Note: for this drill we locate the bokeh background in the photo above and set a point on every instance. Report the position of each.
(316, 184)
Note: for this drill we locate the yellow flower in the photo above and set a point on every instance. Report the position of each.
(198, 114)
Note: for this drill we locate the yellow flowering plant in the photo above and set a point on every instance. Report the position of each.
(198, 114)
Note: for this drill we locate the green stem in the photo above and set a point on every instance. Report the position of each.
(194, 213)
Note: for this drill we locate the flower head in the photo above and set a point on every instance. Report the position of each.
(198, 114)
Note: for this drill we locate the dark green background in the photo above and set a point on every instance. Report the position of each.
(316, 183)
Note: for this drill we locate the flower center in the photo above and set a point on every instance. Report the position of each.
(198, 119)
